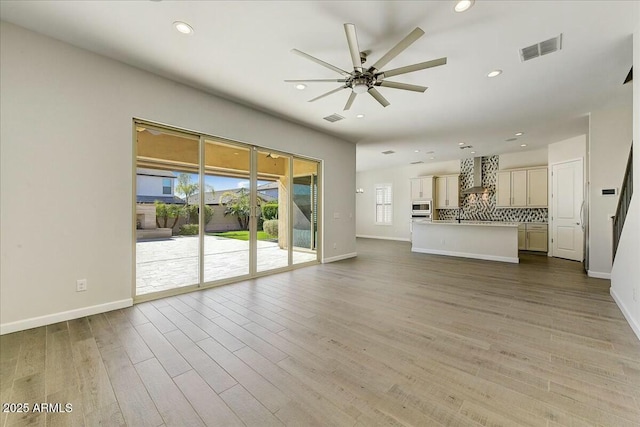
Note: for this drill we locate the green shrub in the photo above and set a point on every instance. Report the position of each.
(193, 214)
(189, 230)
(270, 210)
(270, 227)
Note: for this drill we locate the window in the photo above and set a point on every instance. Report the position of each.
(384, 198)
(166, 185)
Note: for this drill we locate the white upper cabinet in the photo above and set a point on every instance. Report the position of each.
(519, 188)
(447, 192)
(522, 188)
(422, 188)
(503, 188)
(537, 187)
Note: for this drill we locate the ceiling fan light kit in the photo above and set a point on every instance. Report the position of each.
(362, 80)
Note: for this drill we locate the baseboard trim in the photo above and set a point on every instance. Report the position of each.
(486, 257)
(627, 315)
(598, 274)
(397, 239)
(34, 322)
(339, 257)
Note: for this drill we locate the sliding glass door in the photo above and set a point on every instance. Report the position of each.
(272, 218)
(227, 181)
(305, 210)
(166, 209)
(210, 211)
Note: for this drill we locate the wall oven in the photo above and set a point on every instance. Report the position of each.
(421, 208)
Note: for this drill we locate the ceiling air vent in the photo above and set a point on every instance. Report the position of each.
(334, 118)
(388, 152)
(542, 48)
(416, 163)
(465, 147)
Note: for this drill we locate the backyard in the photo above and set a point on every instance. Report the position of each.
(170, 263)
(243, 235)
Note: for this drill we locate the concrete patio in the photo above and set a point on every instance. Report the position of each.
(170, 263)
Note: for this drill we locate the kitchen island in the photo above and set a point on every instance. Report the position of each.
(489, 240)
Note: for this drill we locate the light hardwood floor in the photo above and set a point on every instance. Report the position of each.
(390, 338)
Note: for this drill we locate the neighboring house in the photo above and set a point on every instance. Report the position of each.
(270, 189)
(152, 185)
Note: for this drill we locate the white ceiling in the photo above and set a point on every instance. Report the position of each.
(241, 50)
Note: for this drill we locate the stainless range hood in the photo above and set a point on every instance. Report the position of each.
(477, 178)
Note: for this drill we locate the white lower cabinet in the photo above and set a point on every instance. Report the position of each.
(533, 237)
(522, 239)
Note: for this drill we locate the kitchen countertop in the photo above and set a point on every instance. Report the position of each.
(469, 223)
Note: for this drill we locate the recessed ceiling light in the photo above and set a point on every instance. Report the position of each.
(301, 86)
(183, 27)
(473, 152)
(431, 158)
(494, 73)
(519, 133)
(416, 151)
(460, 143)
(523, 145)
(463, 5)
(360, 116)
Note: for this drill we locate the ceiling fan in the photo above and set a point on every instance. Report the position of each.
(362, 80)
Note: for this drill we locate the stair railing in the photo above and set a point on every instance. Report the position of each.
(623, 202)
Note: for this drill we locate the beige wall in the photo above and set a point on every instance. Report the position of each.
(609, 143)
(625, 274)
(523, 159)
(67, 118)
(399, 179)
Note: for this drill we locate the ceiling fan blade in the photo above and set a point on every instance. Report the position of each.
(397, 49)
(317, 80)
(321, 62)
(354, 50)
(352, 98)
(328, 93)
(378, 96)
(412, 68)
(405, 86)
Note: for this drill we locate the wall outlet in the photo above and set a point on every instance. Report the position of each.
(81, 285)
(335, 246)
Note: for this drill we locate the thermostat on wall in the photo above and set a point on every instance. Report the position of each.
(609, 191)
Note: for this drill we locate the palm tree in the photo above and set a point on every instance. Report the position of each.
(238, 203)
(186, 189)
(167, 212)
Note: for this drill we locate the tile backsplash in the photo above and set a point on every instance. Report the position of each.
(483, 206)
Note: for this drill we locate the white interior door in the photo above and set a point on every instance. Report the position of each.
(567, 201)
